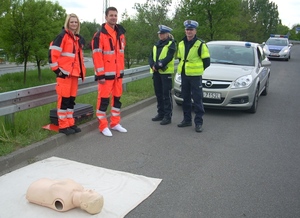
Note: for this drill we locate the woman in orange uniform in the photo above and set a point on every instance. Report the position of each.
(66, 61)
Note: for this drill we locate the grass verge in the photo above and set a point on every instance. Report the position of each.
(28, 124)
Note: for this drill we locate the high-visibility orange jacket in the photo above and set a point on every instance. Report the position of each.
(62, 56)
(108, 59)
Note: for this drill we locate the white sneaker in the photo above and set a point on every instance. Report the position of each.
(119, 128)
(106, 132)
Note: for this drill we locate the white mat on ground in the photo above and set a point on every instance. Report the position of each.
(122, 191)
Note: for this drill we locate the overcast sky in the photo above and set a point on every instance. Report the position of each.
(90, 10)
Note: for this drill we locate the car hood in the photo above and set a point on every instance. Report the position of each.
(226, 72)
(275, 47)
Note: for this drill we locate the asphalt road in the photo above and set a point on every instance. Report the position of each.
(242, 165)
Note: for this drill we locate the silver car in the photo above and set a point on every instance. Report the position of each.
(239, 73)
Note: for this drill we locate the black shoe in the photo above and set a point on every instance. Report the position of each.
(75, 128)
(165, 121)
(198, 128)
(184, 124)
(67, 131)
(157, 118)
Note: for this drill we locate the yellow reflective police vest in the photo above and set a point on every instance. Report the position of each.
(193, 64)
(169, 69)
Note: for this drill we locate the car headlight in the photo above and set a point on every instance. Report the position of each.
(242, 82)
(178, 78)
(285, 50)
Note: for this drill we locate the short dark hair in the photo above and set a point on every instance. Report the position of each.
(110, 9)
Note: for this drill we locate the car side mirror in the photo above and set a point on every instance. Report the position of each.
(266, 63)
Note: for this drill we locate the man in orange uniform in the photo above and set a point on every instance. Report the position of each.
(66, 61)
(108, 46)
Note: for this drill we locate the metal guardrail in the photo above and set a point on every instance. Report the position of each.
(294, 42)
(24, 99)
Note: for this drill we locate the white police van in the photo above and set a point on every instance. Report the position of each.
(277, 47)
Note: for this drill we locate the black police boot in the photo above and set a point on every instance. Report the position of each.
(157, 118)
(75, 128)
(165, 121)
(67, 131)
(198, 128)
(184, 124)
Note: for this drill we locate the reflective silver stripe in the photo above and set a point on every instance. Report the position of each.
(108, 52)
(101, 117)
(62, 117)
(121, 50)
(115, 109)
(61, 111)
(101, 114)
(110, 73)
(97, 50)
(99, 70)
(68, 54)
(54, 64)
(70, 113)
(115, 114)
(55, 48)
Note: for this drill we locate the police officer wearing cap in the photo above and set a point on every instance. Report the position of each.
(194, 58)
(161, 61)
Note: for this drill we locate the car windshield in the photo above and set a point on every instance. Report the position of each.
(278, 42)
(231, 54)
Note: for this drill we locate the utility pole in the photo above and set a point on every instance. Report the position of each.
(106, 4)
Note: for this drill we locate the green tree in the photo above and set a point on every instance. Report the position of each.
(217, 18)
(47, 20)
(142, 33)
(87, 31)
(27, 29)
(264, 18)
(293, 34)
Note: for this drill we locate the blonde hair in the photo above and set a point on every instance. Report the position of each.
(67, 22)
(171, 36)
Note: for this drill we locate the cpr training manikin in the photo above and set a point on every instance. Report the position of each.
(63, 195)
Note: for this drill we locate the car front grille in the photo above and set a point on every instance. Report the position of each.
(213, 101)
(215, 84)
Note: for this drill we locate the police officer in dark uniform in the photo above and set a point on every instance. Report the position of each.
(194, 58)
(161, 61)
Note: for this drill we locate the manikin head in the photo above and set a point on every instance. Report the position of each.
(91, 201)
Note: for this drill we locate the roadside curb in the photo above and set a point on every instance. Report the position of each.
(28, 153)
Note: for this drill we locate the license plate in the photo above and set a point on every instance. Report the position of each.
(274, 54)
(214, 95)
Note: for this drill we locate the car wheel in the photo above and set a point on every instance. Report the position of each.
(255, 102)
(266, 90)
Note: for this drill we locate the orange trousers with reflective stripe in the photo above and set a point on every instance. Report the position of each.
(111, 91)
(66, 90)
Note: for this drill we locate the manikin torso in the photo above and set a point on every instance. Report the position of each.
(63, 195)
